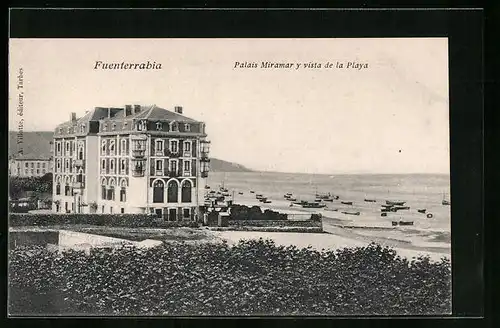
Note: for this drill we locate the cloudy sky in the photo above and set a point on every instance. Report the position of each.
(391, 117)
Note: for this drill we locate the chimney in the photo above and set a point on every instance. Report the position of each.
(137, 109)
(128, 110)
(73, 117)
(109, 112)
(178, 109)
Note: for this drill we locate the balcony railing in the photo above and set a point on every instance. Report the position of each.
(204, 157)
(137, 173)
(186, 154)
(78, 185)
(79, 162)
(173, 174)
(138, 153)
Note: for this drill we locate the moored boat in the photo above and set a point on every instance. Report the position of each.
(394, 202)
(351, 213)
(346, 203)
(422, 210)
(370, 200)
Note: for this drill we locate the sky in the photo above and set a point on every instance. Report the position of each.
(390, 116)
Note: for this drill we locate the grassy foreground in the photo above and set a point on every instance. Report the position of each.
(252, 277)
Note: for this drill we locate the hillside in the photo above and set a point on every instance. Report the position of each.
(37, 144)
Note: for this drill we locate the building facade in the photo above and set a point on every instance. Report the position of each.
(26, 167)
(135, 159)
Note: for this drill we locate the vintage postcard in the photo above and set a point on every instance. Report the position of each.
(229, 177)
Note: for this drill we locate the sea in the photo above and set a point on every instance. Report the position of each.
(418, 191)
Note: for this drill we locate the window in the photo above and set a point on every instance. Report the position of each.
(38, 165)
(113, 126)
(186, 191)
(159, 126)
(58, 189)
(104, 126)
(103, 147)
(187, 146)
(123, 195)
(82, 128)
(26, 164)
(123, 165)
(69, 130)
(186, 213)
(111, 193)
(187, 166)
(159, 164)
(111, 209)
(125, 124)
(67, 146)
(122, 210)
(159, 145)
(26, 171)
(141, 126)
(60, 130)
(58, 165)
(173, 192)
(173, 166)
(175, 126)
(103, 193)
(44, 171)
(37, 171)
(112, 165)
(66, 190)
(32, 164)
(124, 146)
(187, 127)
(80, 153)
(102, 209)
(158, 192)
(43, 165)
(112, 147)
(103, 164)
(174, 146)
(58, 147)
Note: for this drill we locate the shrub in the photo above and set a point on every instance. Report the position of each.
(252, 277)
(111, 220)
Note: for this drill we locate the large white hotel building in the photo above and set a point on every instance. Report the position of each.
(136, 159)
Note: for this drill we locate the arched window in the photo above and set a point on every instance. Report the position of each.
(80, 153)
(112, 147)
(123, 190)
(173, 192)
(111, 190)
(174, 126)
(187, 127)
(158, 191)
(124, 147)
(112, 165)
(186, 191)
(103, 188)
(58, 188)
(103, 147)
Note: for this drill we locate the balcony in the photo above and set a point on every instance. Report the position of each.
(204, 174)
(204, 157)
(173, 174)
(78, 185)
(186, 154)
(79, 162)
(138, 173)
(138, 153)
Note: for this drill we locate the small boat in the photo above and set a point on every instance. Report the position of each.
(393, 202)
(402, 223)
(386, 206)
(252, 192)
(397, 208)
(346, 203)
(306, 204)
(370, 200)
(240, 193)
(324, 197)
(351, 213)
(207, 187)
(267, 201)
(263, 199)
(258, 196)
(385, 210)
(332, 209)
(423, 210)
(336, 197)
(383, 214)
